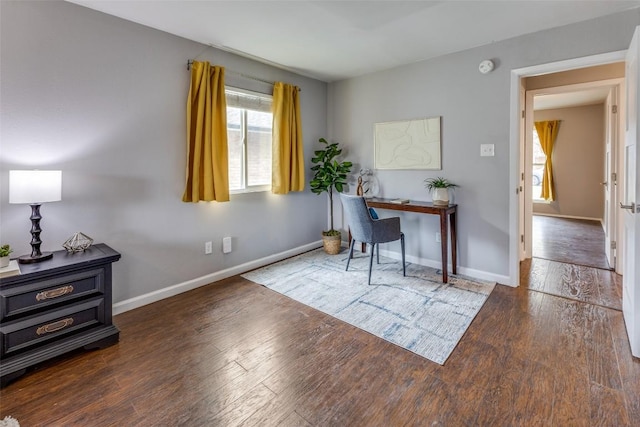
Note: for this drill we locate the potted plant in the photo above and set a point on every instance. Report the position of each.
(329, 173)
(5, 250)
(439, 188)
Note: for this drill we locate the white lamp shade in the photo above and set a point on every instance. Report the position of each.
(35, 186)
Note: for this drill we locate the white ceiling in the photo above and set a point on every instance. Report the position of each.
(333, 40)
(597, 95)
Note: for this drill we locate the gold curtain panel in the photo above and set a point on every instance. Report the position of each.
(207, 168)
(288, 152)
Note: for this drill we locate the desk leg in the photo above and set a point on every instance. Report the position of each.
(454, 251)
(444, 246)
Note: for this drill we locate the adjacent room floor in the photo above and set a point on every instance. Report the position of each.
(574, 241)
(236, 353)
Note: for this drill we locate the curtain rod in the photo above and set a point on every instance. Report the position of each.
(246, 76)
(189, 62)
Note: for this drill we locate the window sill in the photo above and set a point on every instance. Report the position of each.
(262, 189)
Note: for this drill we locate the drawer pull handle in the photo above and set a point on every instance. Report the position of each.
(55, 326)
(54, 293)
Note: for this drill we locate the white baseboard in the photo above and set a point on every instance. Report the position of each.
(160, 294)
(470, 272)
(568, 216)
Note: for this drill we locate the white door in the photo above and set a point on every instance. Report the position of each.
(631, 274)
(522, 193)
(609, 179)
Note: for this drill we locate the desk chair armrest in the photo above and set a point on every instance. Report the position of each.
(386, 230)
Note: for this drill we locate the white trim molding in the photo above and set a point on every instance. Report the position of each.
(514, 140)
(461, 271)
(160, 294)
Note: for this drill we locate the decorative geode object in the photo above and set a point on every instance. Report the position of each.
(77, 243)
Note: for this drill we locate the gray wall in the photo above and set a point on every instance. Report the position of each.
(104, 100)
(578, 162)
(474, 110)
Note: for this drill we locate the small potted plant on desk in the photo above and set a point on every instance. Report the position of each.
(329, 173)
(439, 188)
(5, 250)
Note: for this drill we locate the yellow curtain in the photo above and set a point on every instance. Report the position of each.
(207, 167)
(547, 133)
(288, 154)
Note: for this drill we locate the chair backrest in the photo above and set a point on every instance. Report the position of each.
(358, 217)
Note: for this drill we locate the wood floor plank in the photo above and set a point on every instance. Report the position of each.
(238, 412)
(609, 289)
(628, 365)
(601, 354)
(534, 271)
(294, 420)
(501, 393)
(591, 285)
(607, 407)
(102, 412)
(567, 413)
(532, 405)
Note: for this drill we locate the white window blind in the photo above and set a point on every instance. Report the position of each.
(249, 101)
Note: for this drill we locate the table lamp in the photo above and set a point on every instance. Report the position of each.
(35, 187)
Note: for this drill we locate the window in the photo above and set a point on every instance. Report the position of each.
(249, 122)
(539, 160)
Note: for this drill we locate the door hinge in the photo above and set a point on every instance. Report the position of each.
(614, 245)
(523, 114)
(614, 109)
(614, 178)
(522, 176)
(522, 238)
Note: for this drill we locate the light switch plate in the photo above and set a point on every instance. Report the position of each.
(487, 150)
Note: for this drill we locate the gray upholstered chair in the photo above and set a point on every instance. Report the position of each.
(366, 229)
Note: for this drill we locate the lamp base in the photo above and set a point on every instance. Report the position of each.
(29, 259)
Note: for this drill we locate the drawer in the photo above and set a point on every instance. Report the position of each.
(37, 330)
(45, 293)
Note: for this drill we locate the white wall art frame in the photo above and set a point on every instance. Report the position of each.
(408, 144)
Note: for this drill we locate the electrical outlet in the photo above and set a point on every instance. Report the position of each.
(208, 248)
(226, 245)
(438, 237)
(487, 150)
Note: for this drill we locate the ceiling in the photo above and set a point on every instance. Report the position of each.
(597, 95)
(333, 40)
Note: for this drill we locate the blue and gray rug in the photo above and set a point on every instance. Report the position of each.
(417, 312)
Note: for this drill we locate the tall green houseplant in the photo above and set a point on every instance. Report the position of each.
(329, 173)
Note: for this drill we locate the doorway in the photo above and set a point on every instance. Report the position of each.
(627, 158)
(571, 81)
(573, 224)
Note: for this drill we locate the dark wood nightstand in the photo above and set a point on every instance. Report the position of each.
(56, 306)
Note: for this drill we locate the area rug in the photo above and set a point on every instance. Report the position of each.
(417, 312)
(9, 421)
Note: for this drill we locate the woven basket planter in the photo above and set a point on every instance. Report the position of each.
(332, 244)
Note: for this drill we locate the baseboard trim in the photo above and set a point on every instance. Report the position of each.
(464, 271)
(160, 294)
(568, 216)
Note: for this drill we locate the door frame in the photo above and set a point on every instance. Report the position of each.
(515, 151)
(528, 142)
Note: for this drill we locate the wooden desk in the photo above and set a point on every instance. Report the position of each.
(429, 208)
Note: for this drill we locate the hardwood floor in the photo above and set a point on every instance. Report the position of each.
(574, 241)
(591, 285)
(235, 353)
